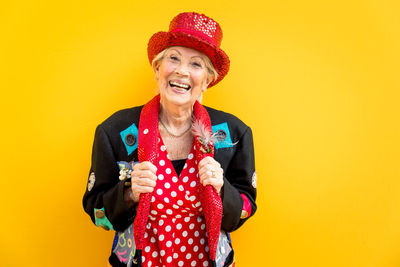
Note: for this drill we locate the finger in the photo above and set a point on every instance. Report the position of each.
(145, 165)
(138, 189)
(205, 161)
(144, 174)
(144, 182)
(213, 182)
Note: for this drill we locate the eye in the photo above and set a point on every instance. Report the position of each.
(197, 64)
(174, 58)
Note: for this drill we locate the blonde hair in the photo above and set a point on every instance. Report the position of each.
(212, 74)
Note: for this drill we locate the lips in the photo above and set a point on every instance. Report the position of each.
(179, 85)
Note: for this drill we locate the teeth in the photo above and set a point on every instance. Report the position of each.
(180, 85)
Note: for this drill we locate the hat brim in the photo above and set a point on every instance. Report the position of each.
(161, 40)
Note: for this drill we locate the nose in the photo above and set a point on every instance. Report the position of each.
(182, 69)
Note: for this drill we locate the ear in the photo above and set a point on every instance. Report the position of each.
(156, 70)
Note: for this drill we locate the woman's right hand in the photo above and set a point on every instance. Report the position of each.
(143, 179)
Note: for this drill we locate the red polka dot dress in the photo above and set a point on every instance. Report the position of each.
(176, 231)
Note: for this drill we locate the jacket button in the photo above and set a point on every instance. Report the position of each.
(220, 135)
(100, 214)
(104, 227)
(130, 139)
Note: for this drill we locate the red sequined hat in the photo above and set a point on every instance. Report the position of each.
(195, 31)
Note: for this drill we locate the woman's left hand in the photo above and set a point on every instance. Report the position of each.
(211, 173)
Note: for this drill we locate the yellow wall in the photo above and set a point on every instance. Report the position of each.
(318, 82)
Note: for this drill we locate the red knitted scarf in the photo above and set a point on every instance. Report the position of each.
(147, 151)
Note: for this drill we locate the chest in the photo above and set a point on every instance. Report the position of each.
(177, 147)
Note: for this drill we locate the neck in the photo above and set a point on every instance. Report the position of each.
(175, 117)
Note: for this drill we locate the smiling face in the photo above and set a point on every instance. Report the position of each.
(181, 76)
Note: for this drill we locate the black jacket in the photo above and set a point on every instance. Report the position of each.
(116, 140)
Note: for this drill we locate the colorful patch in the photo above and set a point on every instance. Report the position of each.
(223, 250)
(125, 248)
(129, 137)
(222, 136)
(92, 179)
(101, 219)
(254, 180)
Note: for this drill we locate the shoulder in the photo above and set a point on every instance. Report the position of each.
(220, 118)
(122, 119)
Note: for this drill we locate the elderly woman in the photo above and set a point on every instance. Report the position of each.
(173, 177)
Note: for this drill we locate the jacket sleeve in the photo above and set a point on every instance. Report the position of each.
(105, 192)
(239, 179)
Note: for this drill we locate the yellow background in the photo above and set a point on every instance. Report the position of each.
(318, 82)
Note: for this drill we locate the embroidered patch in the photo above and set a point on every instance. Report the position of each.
(92, 179)
(129, 137)
(101, 220)
(223, 250)
(124, 247)
(254, 180)
(222, 136)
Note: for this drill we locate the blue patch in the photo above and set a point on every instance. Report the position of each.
(222, 136)
(131, 130)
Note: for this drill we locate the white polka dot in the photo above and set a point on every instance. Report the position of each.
(167, 185)
(169, 211)
(153, 199)
(207, 249)
(162, 162)
(183, 248)
(173, 194)
(185, 179)
(160, 206)
(154, 254)
(169, 244)
(195, 248)
(162, 252)
(201, 255)
(159, 191)
(199, 219)
(177, 241)
(166, 199)
(161, 237)
(174, 179)
(187, 219)
(160, 176)
(175, 206)
(154, 231)
(179, 226)
(185, 166)
(175, 255)
(160, 222)
(193, 184)
(180, 263)
(190, 241)
(180, 202)
(205, 264)
(181, 188)
(146, 131)
(147, 249)
(149, 263)
(178, 215)
(168, 170)
(163, 148)
(152, 240)
(146, 235)
(148, 226)
(193, 263)
(188, 256)
(163, 216)
(198, 204)
(190, 156)
(191, 226)
(191, 170)
(202, 241)
(167, 228)
(185, 233)
(192, 198)
(203, 226)
(169, 259)
(154, 212)
(196, 234)
(143, 258)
